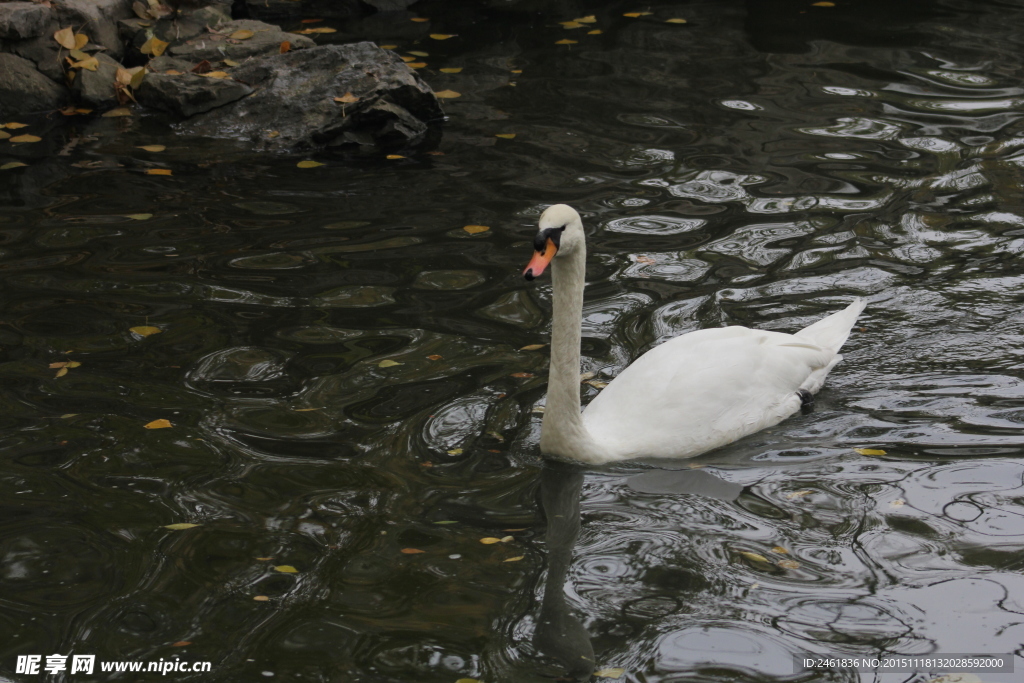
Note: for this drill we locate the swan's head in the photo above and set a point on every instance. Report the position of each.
(560, 232)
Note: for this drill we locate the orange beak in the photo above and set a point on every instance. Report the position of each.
(540, 261)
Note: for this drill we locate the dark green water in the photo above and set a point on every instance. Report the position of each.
(758, 165)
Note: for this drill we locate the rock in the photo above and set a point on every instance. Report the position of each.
(212, 15)
(266, 39)
(96, 88)
(24, 90)
(188, 94)
(44, 52)
(294, 96)
(96, 18)
(21, 20)
(164, 63)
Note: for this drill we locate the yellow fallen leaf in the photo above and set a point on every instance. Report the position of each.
(753, 556)
(78, 55)
(490, 540)
(516, 71)
(14, 125)
(73, 364)
(780, 550)
(507, 136)
(4, 135)
(65, 37)
(589, 19)
(634, 15)
(416, 65)
(81, 40)
(180, 526)
(347, 98)
(174, 72)
(797, 494)
(419, 20)
(242, 34)
(285, 46)
(91, 64)
(388, 47)
(153, 148)
(862, 451)
(388, 363)
(154, 46)
(286, 569)
(230, 62)
(158, 424)
(419, 54)
(475, 229)
(455, 451)
(447, 94)
(407, 59)
(595, 32)
(120, 111)
(451, 70)
(675, 21)
(58, 364)
(610, 673)
(394, 156)
(533, 347)
(12, 164)
(566, 41)
(216, 74)
(308, 163)
(514, 559)
(159, 171)
(260, 598)
(264, 559)
(789, 564)
(322, 29)
(823, 4)
(26, 138)
(411, 551)
(571, 24)
(61, 372)
(507, 539)
(273, 134)
(442, 36)
(145, 330)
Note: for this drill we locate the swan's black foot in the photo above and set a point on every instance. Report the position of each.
(806, 401)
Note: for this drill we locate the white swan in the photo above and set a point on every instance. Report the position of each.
(693, 393)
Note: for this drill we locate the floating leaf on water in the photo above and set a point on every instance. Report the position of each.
(521, 375)
(120, 111)
(533, 347)
(139, 216)
(899, 502)
(634, 15)
(73, 364)
(507, 539)
(442, 36)
(475, 229)
(311, 21)
(566, 41)
(12, 164)
(753, 556)
(260, 598)
(286, 569)
(862, 451)
(506, 136)
(65, 37)
(446, 521)
(434, 356)
(285, 46)
(159, 171)
(388, 363)
(4, 134)
(589, 374)
(308, 163)
(824, 3)
(14, 125)
(419, 54)
(447, 94)
(514, 559)
(321, 29)
(468, 680)
(145, 330)
(589, 19)
(180, 526)
(153, 148)
(394, 156)
(675, 21)
(789, 564)
(158, 424)
(407, 59)
(696, 465)
(66, 416)
(26, 138)
(416, 65)
(455, 451)
(419, 20)
(571, 24)
(242, 34)
(538, 409)
(412, 551)
(610, 673)
(154, 46)
(796, 494)
(780, 550)
(389, 47)
(347, 98)
(451, 70)
(490, 540)
(61, 372)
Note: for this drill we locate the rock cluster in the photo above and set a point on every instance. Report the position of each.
(214, 74)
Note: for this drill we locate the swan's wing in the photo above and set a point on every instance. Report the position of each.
(704, 389)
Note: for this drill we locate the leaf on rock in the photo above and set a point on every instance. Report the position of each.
(475, 229)
(347, 98)
(145, 330)
(506, 136)
(389, 47)
(120, 111)
(230, 62)
(140, 10)
(26, 138)
(862, 451)
(65, 37)
(153, 148)
(566, 41)
(180, 526)
(242, 34)
(490, 540)
(308, 163)
(159, 424)
(159, 171)
(216, 74)
(451, 70)
(286, 569)
(154, 46)
(388, 363)
(753, 556)
(285, 46)
(78, 55)
(412, 551)
(442, 36)
(91, 64)
(81, 40)
(447, 94)
(610, 673)
(12, 164)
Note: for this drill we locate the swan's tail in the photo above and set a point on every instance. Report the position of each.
(831, 332)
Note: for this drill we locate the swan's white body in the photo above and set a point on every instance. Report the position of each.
(687, 396)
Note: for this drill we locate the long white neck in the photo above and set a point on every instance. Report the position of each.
(562, 431)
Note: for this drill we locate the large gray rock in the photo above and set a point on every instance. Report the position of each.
(219, 45)
(24, 90)
(21, 20)
(96, 88)
(188, 94)
(95, 18)
(295, 97)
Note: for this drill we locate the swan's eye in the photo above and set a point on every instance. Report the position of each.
(542, 237)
